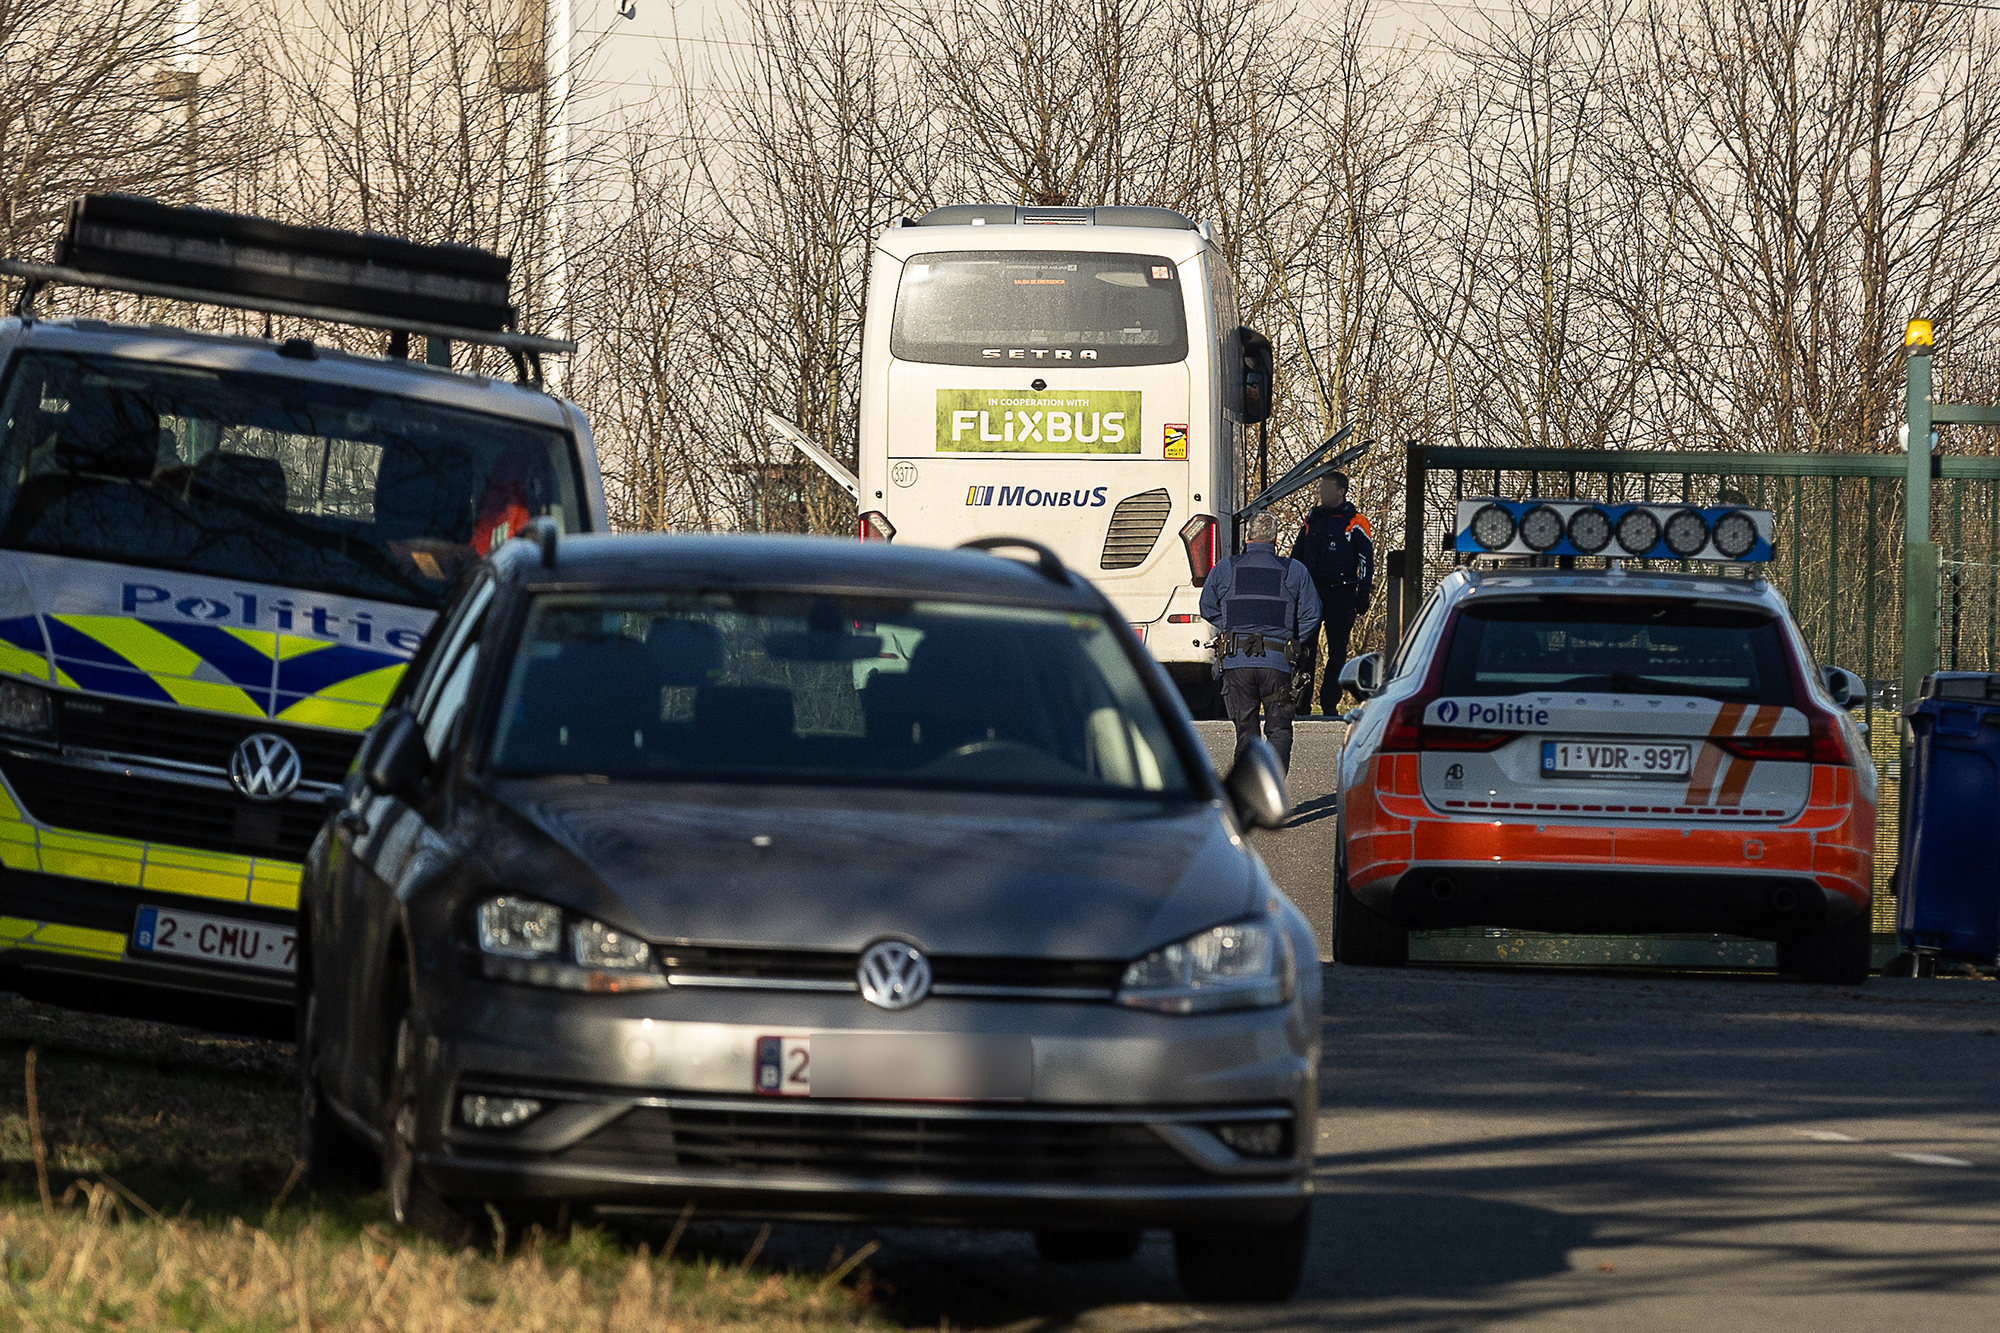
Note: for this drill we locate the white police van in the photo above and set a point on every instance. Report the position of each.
(1072, 375)
(217, 555)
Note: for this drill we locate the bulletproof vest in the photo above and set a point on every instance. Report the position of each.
(1257, 603)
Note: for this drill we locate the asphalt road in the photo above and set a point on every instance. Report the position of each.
(1631, 1151)
(1300, 855)
(1539, 1150)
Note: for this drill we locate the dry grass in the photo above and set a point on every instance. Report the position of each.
(101, 1264)
(169, 1159)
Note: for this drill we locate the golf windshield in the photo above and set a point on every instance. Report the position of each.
(787, 687)
(266, 478)
(1051, 308)
(1618, 645)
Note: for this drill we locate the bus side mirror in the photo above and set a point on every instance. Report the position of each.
(1846, 689)
(1259, 370)
(1362, 676)
(396, 758)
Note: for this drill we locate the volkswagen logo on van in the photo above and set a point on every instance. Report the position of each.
(893, 975)
(265, 767)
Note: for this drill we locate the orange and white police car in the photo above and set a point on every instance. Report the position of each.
(1607, 751)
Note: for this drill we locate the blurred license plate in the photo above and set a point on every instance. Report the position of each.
(1615, 759)
(913, 1066)
(215, 939)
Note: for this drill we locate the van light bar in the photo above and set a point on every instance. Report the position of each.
(1634, 531)
(120, 238)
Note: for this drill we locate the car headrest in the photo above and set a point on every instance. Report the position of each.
(684, 652)
(750, 711)
(257, 481)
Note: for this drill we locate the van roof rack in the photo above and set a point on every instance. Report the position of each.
(128, 243)
(1018, 215)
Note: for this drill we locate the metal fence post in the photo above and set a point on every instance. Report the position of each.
(1920, 553)
(1414, 479)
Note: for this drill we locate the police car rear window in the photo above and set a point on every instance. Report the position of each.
(1618, 645)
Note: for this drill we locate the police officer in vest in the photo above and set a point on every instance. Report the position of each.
(1337, 547)
(1267, 609)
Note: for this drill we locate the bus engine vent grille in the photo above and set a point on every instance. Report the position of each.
(1135, 526)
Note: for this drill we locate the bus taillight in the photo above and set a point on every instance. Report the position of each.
(1199, 535)
(876, 527)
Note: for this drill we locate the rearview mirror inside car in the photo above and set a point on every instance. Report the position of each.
(817, 647)
(1256, 787)
(1363, 675)
(1846, 689)
(396, 758)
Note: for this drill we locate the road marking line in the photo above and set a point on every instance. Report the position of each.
(1932, 1159)
(1826, 1136)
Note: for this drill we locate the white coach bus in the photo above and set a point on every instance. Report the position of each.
(1072, 375)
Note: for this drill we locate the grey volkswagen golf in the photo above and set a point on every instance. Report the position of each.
(796, 878)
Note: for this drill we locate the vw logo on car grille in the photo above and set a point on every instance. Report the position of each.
(894, 975)
(265, 767)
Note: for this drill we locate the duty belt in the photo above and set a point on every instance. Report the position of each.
(1254, 645)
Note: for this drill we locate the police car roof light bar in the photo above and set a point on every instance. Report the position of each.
(1730, 533)
(126, 243)
(1306, 471)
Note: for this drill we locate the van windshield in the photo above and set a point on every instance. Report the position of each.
(264, 478)
(1618, 645)
(1049, 308)
(788, 687)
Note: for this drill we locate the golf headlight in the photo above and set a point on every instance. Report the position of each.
(522, 940)
(25, 711)
(1243, 966)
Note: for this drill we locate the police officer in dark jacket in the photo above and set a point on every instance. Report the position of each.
(1266, 608)
(1337, 547)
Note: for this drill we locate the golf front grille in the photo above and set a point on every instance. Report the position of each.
(973, 1148)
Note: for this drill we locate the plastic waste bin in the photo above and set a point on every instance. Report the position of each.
(1949, 900)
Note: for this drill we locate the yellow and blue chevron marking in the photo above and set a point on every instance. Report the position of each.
(250, 673)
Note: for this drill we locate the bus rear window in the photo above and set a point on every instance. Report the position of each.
(1618, 645)
(996, 307)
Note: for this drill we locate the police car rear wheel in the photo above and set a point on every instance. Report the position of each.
(1837, 954)
(1363, 939)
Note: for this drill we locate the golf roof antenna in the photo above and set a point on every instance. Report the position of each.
(127, 243)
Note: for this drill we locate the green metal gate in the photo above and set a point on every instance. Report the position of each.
(1838, 530)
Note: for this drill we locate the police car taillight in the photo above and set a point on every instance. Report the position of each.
(1829, 745)
(1405, 732)
(876, 527)
(1199, 535)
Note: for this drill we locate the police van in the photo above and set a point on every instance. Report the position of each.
(1072, 375)
(217, 556)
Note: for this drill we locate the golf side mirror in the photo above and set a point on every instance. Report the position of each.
(1362, 675)
(396, 759)
(1259, 372)
(1256, 787)
(1846, 689)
